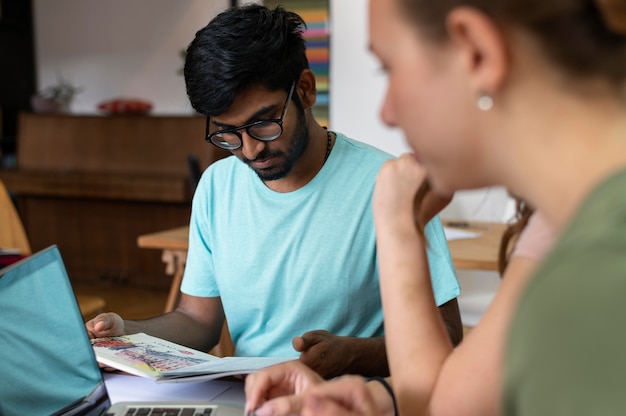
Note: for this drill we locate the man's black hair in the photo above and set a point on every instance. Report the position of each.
(240, 48)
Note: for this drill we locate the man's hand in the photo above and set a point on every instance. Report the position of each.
(105, 325)
(331, 355)
(277, 390)
(324, 352)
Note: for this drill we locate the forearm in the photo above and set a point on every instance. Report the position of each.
(470, 382)
(177, 327)
(369, 356)
(417, 340)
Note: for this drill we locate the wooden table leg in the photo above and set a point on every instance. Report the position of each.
(175, 266)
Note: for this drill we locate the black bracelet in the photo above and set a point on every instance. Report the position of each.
(387, 387)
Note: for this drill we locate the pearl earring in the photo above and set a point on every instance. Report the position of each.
(484, 102)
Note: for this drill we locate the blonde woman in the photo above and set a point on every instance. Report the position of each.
(528, 94)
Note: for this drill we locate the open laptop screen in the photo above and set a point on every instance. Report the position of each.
(47, 365)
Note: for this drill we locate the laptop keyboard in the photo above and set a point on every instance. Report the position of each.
(169, 411)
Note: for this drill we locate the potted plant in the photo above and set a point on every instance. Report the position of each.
(55, 98)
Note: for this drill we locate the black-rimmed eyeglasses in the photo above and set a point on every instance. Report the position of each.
(263, 130)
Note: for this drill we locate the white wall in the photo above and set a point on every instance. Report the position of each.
(116, 48)
(357, 83)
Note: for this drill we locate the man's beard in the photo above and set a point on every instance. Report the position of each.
(299, 142)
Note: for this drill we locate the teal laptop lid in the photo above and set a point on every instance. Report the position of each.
(47, 366)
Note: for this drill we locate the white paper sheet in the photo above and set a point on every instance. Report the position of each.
(124, 388)
(458, 234)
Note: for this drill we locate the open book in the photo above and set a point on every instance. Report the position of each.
(147, 356)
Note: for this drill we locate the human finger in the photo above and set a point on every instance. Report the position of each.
(104, 325)
(311, 338)
(397, 180)
(298, 344)
(344, 396)
(314, 405)
(280, 406)
(329, 357)
(279, 380)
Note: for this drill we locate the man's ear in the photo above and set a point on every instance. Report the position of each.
(306, 88)
(483, 45)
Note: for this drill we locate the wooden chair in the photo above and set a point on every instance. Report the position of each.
(13, 236)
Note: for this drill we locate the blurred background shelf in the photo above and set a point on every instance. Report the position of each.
(91, 184)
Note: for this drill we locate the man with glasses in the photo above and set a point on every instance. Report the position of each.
(282, 240)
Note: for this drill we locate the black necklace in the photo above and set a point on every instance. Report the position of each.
(329, 144)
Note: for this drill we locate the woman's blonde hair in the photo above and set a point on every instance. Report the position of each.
(585, 38)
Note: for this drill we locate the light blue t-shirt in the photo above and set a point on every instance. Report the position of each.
(287, 263)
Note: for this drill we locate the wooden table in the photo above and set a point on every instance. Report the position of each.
(174, 243)
(476, 253)
(479, 253)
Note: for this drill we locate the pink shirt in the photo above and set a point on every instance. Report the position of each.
(536, 239)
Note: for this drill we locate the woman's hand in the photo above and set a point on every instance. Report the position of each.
(277, 390)
(403, 194)
(293, 388)
(348, 395)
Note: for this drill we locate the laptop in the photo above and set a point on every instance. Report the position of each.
(47, 364)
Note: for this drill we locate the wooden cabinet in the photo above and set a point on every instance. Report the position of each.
(92, 184)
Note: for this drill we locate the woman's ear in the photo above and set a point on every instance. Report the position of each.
(306, 88)
(483, 46)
